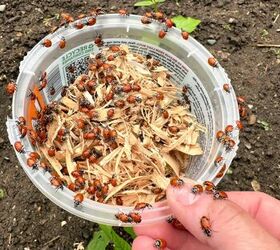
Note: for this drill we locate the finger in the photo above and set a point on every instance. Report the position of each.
(176, 239)
(229, 222)
(144, 242)
(259, 206)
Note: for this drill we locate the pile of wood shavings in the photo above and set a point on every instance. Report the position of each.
(119, 133)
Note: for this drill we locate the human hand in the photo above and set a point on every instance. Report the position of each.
(245, 221)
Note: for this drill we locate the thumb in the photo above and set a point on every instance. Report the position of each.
(232, 227)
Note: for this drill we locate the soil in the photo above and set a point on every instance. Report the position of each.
(29, 220)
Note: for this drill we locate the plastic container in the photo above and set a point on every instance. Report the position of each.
(187, 59)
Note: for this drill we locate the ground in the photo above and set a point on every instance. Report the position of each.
(28, 219)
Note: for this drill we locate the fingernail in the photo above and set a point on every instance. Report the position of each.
(184, 195)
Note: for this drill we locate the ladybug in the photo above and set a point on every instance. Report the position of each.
(165, 114)
(11, 88)
(123, 12)
(119, 104)
(239, 125)
(169, 23)
(175, 223)
(197, 189)
(146, 20)
(213, 62)
(80, 123)
(136, 217)
(52, 90)
(226, 87)
(47, 43)
(19, 147)
(34, 155)
(78, 199)
(110, 113)
(23, 131)
(209, 186)
(160, 244)
(176, 182)
(136, 87)
(218, 160)
(220, 195)
(158, 15)
(173, 129)
(72, 187)
(185, 35)
(230, 145)
(113, 181)
(240, 99)
(98, 40)
(78, 25)
(220, 135)
(91, 190)
(67, 17)
(32, 163)
(221, 172)
(119, 201)
(162, 34)
(51, 151)
(56, 182)
(45, 166)
(228, 129)
(126, 88)
(142, 205)
(91, 21)
(242, 111)
(21, 121)
(123, 217)
(156, 190)
(43, 84)
(63, 91)
(206, 226)
(159, 96)
(62, 43)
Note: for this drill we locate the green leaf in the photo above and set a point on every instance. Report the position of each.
(143, 3)
(188, 24)
(119, 242)
(148, 3)
(130, 231)
(99, 241)
(263, 124)
(2, 194)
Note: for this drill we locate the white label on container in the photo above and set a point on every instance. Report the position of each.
(66, 68)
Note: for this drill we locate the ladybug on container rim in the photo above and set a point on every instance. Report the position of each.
(19, 147)
(78, 199)
(213, 62)
(226, 87)
(185, 35)
(62, 42)
(47, 43)
(123, 217)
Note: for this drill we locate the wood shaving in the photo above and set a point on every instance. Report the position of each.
(124, 128)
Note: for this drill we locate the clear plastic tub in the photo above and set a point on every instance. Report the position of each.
(212, 106)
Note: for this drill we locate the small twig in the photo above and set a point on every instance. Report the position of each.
(275, 20)
(53, 239)
(10, 238)
(267, 45)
